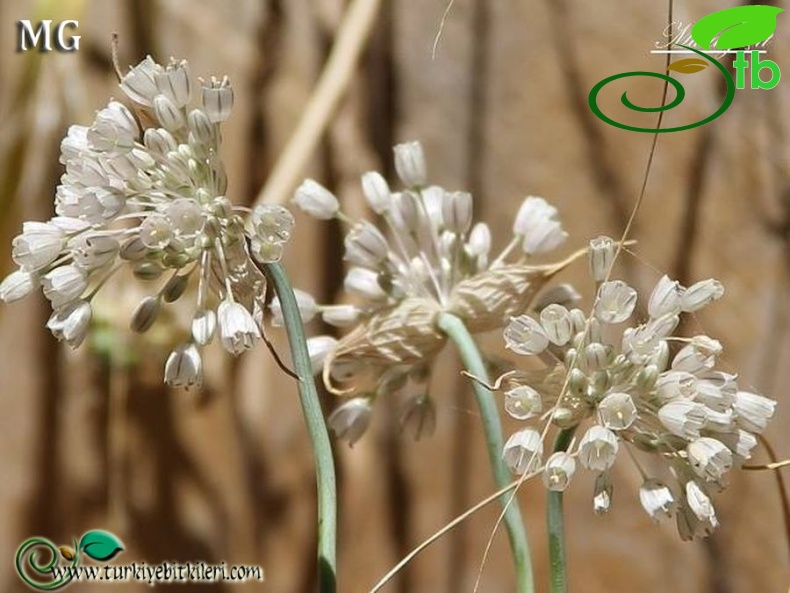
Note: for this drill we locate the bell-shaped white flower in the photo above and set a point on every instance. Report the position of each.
(602, 493)
(204, 325)
(657, 499)
(709, 458)
(457, 211)
(617, 411)
(558, 471)
(71, 323)
(365, 283)
(598, 448)
(683, 418)
(376, 191)
(601, 257)
(317, 201)
(139, 83)
(17, 285)
(64, 285)
(701, 294)
(237, 329)
(218, 99)
(753, 411)
(665, 298)
(557, 324)
(350, 421)
(366, 246)
(536, 224)
(523, 402)
(615, 303)
(700, 504)
(319, 347)
(523, 451)
(184, 367)
(524, 335)
(38, 246)
(304, 302)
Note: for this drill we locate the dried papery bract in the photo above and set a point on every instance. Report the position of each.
(628, 392)
(145, 188)
(426, 258)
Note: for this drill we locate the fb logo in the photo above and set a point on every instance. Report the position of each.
(727, 31)
(41, 36)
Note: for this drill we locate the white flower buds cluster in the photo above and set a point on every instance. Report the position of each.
(426, 247)
(145, 187)
(636, 394)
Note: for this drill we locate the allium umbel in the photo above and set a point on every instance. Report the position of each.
(426, 257)
(639, 389)
(145, 188)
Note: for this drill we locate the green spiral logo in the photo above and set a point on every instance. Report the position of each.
(33, 573)
(680, 94)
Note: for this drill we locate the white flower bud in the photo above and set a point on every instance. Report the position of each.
(683, 418)
(204, 325)
(523, 402)
(601, 257)
(316, 200)
(556, 322)
(185, 216)
(366, 246)
(709, 458)
(558, 471)
(598, 448)
(159, 141)
(410, 164)
(657, 499)
(602, 494)
(133, 249)
(697, 356)
(17, 285)
(351, 420)
(753, 411)
(340, 315)
(237, 329)
(457, 211)
(38, 246)
(615, 303)
(145, 314)
(617, 411)
(701, 294)
(71, 323)
(175, 288)
(523, 451)
(524, 335)
(64, 285)
(364, 283)
(665, 298)
(304, 302)
(479, 240)
(92, 252)
(218, 99)
(673, 385)
(597, 356)
(376, 192)
(171, 117)
(319, 348)
(405, 214)
(184, 367)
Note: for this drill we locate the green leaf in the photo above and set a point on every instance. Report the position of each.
(100, 545)
(740, 26)
(688, 65)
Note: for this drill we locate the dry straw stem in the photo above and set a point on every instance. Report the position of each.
(335, 78)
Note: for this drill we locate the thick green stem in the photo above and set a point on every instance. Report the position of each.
(555, 525)
(473, 361)
(314, 418)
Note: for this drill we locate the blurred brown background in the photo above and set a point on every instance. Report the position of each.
(91, 439)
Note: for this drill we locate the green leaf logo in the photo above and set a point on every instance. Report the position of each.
(688, 66)
(736, 27)
(100, 545)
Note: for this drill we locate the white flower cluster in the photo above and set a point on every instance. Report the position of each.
(407, 272)
(637, 394)
(145, 187)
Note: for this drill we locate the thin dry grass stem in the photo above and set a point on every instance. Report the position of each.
(772, 466)
(116, 64)
(446, 528)
(441, 29)
(351, 38)
(497, 384)
(780, 485)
